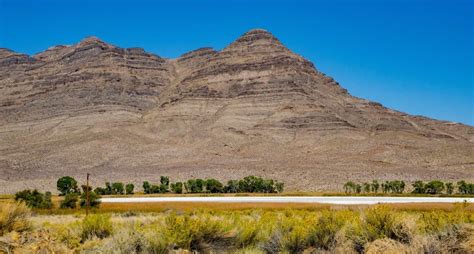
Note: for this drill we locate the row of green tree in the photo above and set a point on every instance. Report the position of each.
(249, 184)
(438, 187)
(395, 186)
(73, 197)
(68, 188)
(419, 187)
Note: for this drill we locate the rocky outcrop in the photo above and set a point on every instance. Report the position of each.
(254, 107)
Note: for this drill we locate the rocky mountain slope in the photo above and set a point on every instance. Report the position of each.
(254, 107)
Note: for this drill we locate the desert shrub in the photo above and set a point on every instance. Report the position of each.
(380, 222)
(67, 184)
(247, 233)
(177, 187)
(35, 199)
(70, 200)
(385, 245)
(96, 225)
(249, 250)
(323, 234)
(214, 186)
(127, 240)
(129, 188)
(197, 233)
(439, 221)
(273, 243)
(14, 217)
(434, 187)
(295, 240)
(67, 233)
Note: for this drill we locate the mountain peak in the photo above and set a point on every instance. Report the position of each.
(92, 40)
(259, 38)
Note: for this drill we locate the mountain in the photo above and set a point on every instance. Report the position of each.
(254, 107)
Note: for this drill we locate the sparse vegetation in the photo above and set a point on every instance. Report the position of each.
(35, 199)
(14, 217)
(70, 200)
(375, 229)
(96, 225)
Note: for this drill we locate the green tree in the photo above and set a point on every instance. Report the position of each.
(70, 200)
(214, 186)
(129, 188)
(94, 199)
(146, 187)
(279, 187)
(268, 186)
(165, 180)
(434, 187)
(117, 188)
(35, 199)
(367, 187)
(67, 184)
(397, 186)
(449, 188)
(200, 184)
(349, 187)
(108, 188)
(155, 188)
(232, 186)
(375, 186)
(418, 187)
(100, 191)
(465, 188)
(177, 187)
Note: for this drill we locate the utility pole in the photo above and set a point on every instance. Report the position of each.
(87, 195)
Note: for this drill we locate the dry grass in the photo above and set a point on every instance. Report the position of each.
(275, 228)
(14, 217)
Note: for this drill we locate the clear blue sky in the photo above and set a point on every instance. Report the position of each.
(413, 56)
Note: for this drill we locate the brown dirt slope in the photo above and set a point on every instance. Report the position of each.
(254, 107)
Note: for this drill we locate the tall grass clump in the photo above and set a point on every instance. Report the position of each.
(96, 225)
(14, 217)
(323, 234)
(381, 222)
(201, 232)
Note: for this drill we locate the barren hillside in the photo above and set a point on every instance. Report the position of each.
(254, 107)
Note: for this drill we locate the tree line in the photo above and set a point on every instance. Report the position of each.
(419, 187)
(73, 197)
(249, 184)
